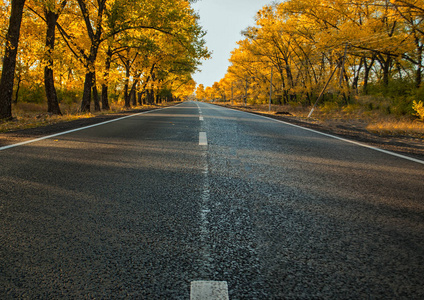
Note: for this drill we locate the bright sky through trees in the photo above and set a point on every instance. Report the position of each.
(223, 20)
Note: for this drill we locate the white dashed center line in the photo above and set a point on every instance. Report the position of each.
(208, 290)
(203, 141)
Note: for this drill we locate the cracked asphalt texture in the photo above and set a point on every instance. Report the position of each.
(137, 209)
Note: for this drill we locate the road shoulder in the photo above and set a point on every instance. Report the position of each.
(405, 145)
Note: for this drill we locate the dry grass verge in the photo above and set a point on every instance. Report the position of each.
(396, 128)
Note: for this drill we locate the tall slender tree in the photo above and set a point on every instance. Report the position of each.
(9, 60)
(51, 15)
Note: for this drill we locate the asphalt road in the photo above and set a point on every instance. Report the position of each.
(141, 208)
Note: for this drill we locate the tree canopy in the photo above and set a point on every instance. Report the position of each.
(144, 50)
(304, 42)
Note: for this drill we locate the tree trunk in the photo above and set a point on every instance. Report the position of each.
(418, 73)
(139, 98)
(133, 96)
(105, 100)
(52, 101)
(357, 73)
(86, 96)
(418, 77)
(386, 70)
(9, 60)
(367, 73)
(18, 85)
(126, 86)
(289, 73)
(385, 66)
(150, 96)
(105, 96)
(95, 38)
(95, 94)
(309, 97)
(283, 85)
(90, 78)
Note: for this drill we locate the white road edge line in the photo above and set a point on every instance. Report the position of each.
(203, 141)
(208, 290)
(352, 142)
(339, 138)
(78, 129)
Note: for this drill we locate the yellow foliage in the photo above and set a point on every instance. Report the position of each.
(151, 44)
(303, 41)
(419, 109)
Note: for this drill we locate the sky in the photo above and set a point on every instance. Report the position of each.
(223, 20)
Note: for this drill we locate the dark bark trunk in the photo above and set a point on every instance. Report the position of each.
(289, 73)
(418, 72)
(127, 97)
(105, 100)
(18, 85)
(150, 96)
(385, 66)
(133, 96)
(9, 60)
(285, 97)
(105, 96)
(309, 97)
(386, 69)
(90, 78)
(283, 84)
(95, 94)
(86, 96)
(52, 101)
(126, 86)
(95, 38)
(139, 99)
(367, 74)
(358, 72)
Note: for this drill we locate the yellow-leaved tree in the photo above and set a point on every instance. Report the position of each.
(339, 44)
(132, 46)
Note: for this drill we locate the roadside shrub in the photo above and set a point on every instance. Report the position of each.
(399, 88)
(395, 88)
(401, 106)
(328, 107)
(394, 99)
(351, 108)
(34, 94)
(251, 101)
(68, 96)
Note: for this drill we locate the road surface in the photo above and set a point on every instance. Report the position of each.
(149, 206)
